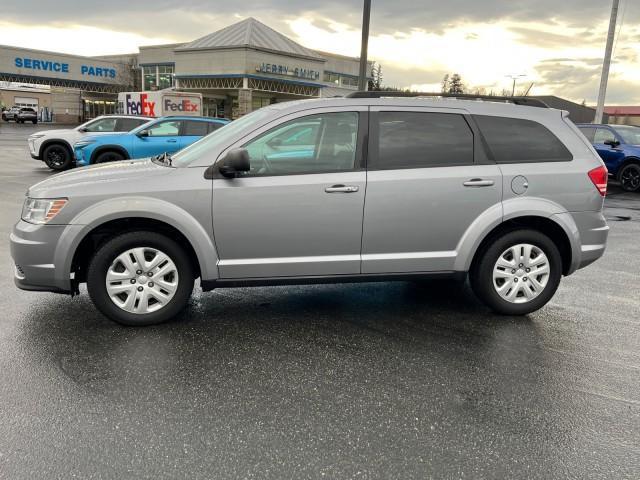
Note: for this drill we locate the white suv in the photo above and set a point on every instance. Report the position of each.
(55, 147)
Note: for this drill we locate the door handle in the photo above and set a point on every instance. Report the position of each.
(172, 140)
(342, 189)
(478, 182)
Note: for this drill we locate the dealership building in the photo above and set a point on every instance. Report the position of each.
(238, 69)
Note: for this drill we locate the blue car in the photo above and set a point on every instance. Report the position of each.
(162, 135)
(619, 148)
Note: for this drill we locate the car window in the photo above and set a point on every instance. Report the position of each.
(128, 124)
(588, 132)
(168, 128)
(102, 125)
(212, 127)
(603, 135)
(422, 139)
(331, 147)
(515, 140)
(630, 134)
(195, 128)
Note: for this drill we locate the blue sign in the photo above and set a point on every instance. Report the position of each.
(288, 71)
(61, 67)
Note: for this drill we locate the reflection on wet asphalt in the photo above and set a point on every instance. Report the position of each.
(379, 380)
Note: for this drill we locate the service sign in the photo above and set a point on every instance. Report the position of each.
(286, 70)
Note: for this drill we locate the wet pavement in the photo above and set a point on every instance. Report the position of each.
(388, 380)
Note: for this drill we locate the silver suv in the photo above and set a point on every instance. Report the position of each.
(331, 190)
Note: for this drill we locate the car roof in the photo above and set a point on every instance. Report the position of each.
(201, 119)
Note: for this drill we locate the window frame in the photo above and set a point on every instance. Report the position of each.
(491, 155)
(362, 135)
(479, 154)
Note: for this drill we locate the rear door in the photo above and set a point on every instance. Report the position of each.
(428, 180)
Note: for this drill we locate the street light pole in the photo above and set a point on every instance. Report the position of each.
(515, 78)
(604, 79)
(364, 46)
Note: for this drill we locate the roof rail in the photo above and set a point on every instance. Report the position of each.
(524, 101)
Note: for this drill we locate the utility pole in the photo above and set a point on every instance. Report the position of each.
(602, 94)
(515, 78)
(364, 46)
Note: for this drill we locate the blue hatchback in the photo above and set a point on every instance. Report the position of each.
(619, 148)
(162, 135)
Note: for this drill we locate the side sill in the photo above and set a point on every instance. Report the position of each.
(208, 285)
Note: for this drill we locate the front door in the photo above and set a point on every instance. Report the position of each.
(427, 182)
(611, 155)
(298, 212)
(162, 137)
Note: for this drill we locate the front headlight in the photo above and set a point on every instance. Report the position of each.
(83, 143)
(35, 136)
(42, 210)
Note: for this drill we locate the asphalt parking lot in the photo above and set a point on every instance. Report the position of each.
(388, 380)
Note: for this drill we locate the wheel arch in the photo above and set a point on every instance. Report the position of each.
(55, 141)
(108, 148)
(627, 161)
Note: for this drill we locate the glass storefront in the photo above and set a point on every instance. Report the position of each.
(95, 108)
(158, 77)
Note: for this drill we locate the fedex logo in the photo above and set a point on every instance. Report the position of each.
(143, 107)
(185, 105)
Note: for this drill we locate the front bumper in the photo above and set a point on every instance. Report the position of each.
(81, 157)
(40, 263)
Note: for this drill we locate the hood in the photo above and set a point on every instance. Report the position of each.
(116, 177)
(57, 131)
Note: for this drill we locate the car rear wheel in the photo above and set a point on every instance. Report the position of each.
(140, 278)
(106, 157)
(57, 157)
(629, 177)
(518, 273)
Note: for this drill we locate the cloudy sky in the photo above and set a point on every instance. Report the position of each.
(557, 44)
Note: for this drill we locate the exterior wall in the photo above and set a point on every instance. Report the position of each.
(66, 105)
(625, 120)
(38, 63)
(8, 97)
(209, 62)
(158, 54)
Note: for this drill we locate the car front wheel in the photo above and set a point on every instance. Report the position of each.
(140, 278)
(518, 273)
(629, 177)
(57, 157)
(106, 157)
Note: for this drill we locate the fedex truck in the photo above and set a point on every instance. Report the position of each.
(160, 103)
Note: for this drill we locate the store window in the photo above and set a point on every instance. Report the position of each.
(165, 76)
(150, 77)
(350, 81)
(331, 77)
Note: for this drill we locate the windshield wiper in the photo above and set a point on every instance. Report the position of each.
(163, 158)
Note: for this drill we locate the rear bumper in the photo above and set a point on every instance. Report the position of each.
(39, 263)
(590, 238)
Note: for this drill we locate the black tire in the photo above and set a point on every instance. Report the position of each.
(109, 156)
(481, 274)
(57, 157)
(103, 258)
(629, 177)
(34, 121)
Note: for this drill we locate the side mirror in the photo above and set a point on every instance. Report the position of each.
(84, 129)
(275, 142)
(143, 133)
(612, 143)
(236, 160)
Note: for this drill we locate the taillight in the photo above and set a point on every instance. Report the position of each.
(599, 178)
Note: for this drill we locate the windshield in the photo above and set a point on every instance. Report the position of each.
(630, 135)
(220, 136)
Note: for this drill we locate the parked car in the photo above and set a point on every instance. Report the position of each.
(509, 195)
(55, 147)
(10, 114)
(163, 135)
(619, 147)
(27, 115)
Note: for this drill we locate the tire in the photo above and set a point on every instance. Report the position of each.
(34, 121)
(110, 156)
(57, 157)
(540, 287)
(132, 309)
(629, 177)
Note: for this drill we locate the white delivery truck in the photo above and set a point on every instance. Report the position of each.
(160, 103)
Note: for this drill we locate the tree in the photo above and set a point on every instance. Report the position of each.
(445, 84)
(455, 84)
(376, 75)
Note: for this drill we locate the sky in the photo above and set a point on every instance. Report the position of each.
(554, 46)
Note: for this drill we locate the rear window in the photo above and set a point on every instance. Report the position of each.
(515, 140)
(422, 139)
(195, 129)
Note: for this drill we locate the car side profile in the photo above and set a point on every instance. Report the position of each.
(10, 114)
(55, 147)
(162, 135)
(619, 148)
(326, 191)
